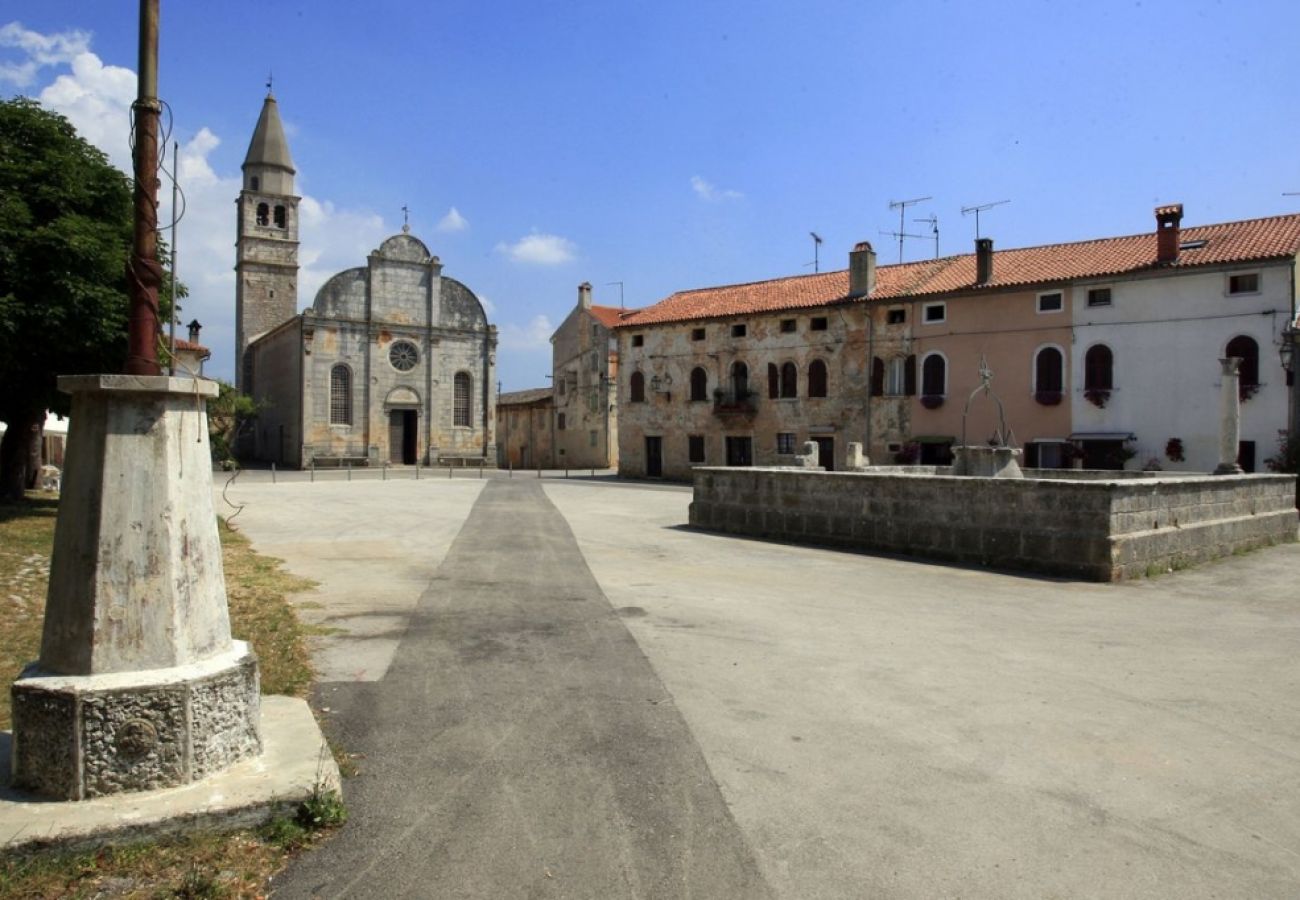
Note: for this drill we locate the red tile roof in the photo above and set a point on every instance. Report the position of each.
(183, 344)
(523, 398)
(609, 316)
(1230, 242)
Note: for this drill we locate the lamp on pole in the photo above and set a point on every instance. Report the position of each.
(1290, 358)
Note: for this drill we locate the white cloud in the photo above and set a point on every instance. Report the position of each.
(536, 334)
(97, 100)
(540, 249)
(453, 221)
(710, 192)
(38, 50)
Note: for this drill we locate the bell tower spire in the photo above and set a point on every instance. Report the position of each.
(266, 264)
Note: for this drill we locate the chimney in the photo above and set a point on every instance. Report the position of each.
(194, 327)
(862, 270)
(983, 260)
(584, 295)
(1167, 221)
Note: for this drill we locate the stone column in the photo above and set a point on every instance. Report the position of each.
(139, 685)
(1229, 417)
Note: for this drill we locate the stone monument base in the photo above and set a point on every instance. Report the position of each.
(84, 736)
(986, 462)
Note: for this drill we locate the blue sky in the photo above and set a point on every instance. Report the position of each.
(676, 145)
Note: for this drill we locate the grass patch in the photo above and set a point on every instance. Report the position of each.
(196, 866)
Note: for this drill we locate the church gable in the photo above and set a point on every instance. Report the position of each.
(343, 296)
(460, 307)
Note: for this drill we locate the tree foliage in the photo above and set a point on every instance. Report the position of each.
(228, 414)
(65, 238)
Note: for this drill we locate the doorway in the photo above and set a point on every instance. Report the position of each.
(403, 436)
(826, 453)
(740, 451)
(654, 457)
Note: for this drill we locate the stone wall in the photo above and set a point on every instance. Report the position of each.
(1088, 529)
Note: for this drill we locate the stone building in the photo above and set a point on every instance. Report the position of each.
(393, 362)
(1103, 351)
(526, 429)
(585, 372)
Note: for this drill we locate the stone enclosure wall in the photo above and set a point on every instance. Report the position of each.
(1088, 529)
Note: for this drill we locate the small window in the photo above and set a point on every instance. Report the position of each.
(894, 447)
(403, 356)
(738, 330)
(562, 385)
(817, 378)
(636, 388)
(638, 340)
(1099, 297)
(789, 381)
(1051, 302)
(785, 442)
(787, 326)
(699, 385)
(934, 313)
(255, 183)
(896, 316)
(1244, 284)
(817, 323)
(559, 422)
(697, 334)
(460, 400)
(695, 448)
(281, 217)
(877, 377)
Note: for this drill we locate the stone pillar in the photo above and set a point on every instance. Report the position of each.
(1229, 417)
(855, 460)
(139, 685)
(807, 459)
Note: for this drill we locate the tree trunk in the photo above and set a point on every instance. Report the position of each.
(24, 430)
(34, 454)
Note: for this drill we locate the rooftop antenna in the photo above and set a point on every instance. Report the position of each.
(903, 234)
(817, 242)
(901, 206)
(620, 291)
(982, 207)
(933, 221)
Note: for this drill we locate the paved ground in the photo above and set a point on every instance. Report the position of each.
(812, 723)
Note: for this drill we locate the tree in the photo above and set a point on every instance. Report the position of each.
(228, 415)
(65, 238)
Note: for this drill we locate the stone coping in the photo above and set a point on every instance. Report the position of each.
(1093, 477)
(138, 384)
(33, 677)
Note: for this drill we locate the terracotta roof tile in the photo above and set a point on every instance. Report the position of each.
(1230, 242)
(522, 398)
(609, 316)
(183, 344)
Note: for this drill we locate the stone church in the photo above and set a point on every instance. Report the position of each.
(392, 363)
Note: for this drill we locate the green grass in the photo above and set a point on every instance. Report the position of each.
(201, 865)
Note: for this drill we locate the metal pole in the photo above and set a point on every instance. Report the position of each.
(383, 475)
(171, 357)
(313, 470)
(349, 465)
(417, 471)
(272, 473)
(449, 470)
(144, 273)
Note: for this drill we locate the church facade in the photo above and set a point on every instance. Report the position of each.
(394, 362)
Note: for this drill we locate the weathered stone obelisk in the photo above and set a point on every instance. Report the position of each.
(138, 685)
(1229, 417)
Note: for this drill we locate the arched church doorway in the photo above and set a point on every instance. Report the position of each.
(403, 426)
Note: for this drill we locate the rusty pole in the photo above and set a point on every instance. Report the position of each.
(144, 272)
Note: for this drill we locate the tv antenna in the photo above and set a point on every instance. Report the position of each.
(933, 221)
(982, 207)
(903, 234)
(817, 243)
(620, 291)
(901, 206)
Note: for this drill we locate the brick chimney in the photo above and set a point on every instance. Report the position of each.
(983, 260)
(584, 295)
(194, 327)
(862, 270)
(1167, 222)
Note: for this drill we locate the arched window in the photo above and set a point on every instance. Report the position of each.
(1247, 351)
(281, 218)
(699, 384)
(773, 381)
(816, 378)
(909, 375)
(1049, 376)
(1098, 368)
(263, 214)
(460, 400)
(637, 388)
(789, 380)
(877, 376)
(934, 376)
(340, 395)
(740, 381)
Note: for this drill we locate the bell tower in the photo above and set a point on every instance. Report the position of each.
(266, 246)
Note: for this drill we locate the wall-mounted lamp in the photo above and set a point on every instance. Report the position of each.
(661, 385)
